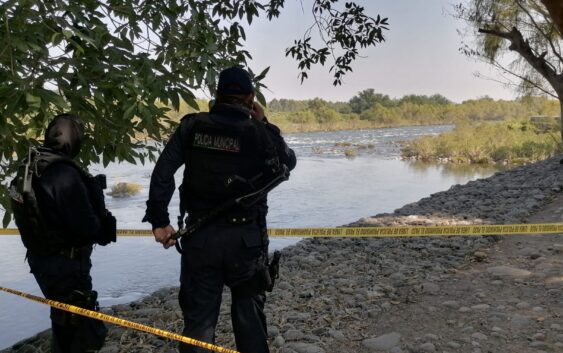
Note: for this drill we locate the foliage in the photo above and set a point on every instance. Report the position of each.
(366, 99)
(531, 30)
(512, 141)
(318, 114)
(489, 131)
(527, 17)
(122, 65)
(287, 105)
(406, 113)
(350, 153)
(347, 30)
(436, 99)
(124, 189)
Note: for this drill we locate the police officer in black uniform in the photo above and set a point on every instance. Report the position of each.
(225, 152)
(60, 216)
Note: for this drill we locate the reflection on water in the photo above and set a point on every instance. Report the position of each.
(459, 172)
(324, 190)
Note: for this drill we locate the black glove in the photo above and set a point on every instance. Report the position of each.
(109, 229)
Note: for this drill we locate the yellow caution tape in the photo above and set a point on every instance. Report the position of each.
(383, 232)
(121, 322)
(420, 231)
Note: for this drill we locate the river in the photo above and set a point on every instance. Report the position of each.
(326, 189)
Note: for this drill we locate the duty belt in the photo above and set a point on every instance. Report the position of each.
(242, 202)
(235, 218)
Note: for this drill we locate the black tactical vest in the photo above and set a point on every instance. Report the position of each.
(217, 156)
(37, 235)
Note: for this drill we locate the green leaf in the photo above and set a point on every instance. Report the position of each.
(86, 38)
(56, 38)
(129, 112)
(106, 159)
(68, 34)
(50, 97)
(6, 219)
(189, 98)
(175, 99)
(33, 101)
(261, 98)
(262, 74)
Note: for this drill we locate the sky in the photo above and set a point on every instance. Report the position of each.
(420, 56)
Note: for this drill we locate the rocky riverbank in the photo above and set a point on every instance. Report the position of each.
(438, 294)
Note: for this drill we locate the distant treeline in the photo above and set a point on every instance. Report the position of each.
(369, 109)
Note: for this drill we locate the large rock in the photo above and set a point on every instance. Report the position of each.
(384, 342)
(507, 271)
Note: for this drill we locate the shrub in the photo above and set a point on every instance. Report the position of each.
(512, 142)
(343, 144)
(350, 153)
(503, 153)
(124, 189)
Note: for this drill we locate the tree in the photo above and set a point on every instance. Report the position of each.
(416, 99)
(120, 64)
(367, 98)
(532, 30)
(302, 117)
(317, 104)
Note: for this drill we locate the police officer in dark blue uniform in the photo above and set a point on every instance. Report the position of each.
(224, 152)
(60, 215)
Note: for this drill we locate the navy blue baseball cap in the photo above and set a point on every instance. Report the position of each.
(234, 80)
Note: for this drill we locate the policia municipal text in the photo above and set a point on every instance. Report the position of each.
(230, 151)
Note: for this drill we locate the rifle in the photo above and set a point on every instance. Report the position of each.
(245, 201)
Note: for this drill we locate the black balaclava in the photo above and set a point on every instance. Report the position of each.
(64, 134)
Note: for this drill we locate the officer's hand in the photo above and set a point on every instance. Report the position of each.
(257, 112)
(162, 235)
(169, 243)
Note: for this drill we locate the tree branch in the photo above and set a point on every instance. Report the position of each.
(555, 9)
(522, 47)
(547, 38)
(537, 86)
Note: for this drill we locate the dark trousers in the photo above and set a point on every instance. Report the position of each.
(58, 276)
(215, 256)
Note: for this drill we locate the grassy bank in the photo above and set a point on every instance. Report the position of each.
(507, 142)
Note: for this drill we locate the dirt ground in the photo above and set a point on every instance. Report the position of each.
(505, 298)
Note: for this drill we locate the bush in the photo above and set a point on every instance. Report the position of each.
(421, 148)
(350, 153)
(503, 153)
(124, 190)
(508, 142)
